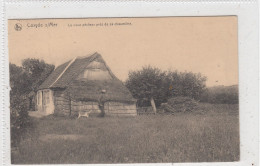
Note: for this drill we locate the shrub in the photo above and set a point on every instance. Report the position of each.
(24, 81)
(180, 104)
(166, 108)
(21, 123)
(221, 95)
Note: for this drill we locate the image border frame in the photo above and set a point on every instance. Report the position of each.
(248, 43)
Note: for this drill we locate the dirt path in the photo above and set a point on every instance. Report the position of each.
(36, 114)
(53, 137)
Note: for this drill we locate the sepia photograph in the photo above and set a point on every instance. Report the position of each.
(124, 90)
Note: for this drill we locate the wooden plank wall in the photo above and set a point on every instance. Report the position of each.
(66, 107)
(61, 102)
(85, 106)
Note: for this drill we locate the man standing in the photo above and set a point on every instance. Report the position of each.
(101, 103)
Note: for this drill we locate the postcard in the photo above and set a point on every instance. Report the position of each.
(127, 90)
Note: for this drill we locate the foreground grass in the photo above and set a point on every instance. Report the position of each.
(211, 134)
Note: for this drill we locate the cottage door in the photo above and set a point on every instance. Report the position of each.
(45, 100)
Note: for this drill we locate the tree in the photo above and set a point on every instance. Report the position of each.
(186, 84)
(18, 80)
(37, 71)
(24, 80)
(148, 85)
(152, 86)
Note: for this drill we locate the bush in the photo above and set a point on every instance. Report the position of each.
(180, 104)
(24, 81)
(221, 95)
(21, 123)
(166, 108)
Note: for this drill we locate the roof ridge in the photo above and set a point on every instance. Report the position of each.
(86, 56)
(73, 60)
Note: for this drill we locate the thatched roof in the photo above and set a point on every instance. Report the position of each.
(114, 91)
(65, 77)
(53, 76)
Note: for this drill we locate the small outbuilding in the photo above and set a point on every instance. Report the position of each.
(85, 84)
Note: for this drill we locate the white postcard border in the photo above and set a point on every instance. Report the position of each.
(248, 52)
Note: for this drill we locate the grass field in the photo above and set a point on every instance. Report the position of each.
(207, 135)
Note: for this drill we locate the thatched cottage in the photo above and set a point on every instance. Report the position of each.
(84, 84)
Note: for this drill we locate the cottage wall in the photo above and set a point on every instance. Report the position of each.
(61, 102)
(66, 107)
(110, 108)
(85, 106)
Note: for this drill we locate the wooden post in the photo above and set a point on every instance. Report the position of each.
(153, 105)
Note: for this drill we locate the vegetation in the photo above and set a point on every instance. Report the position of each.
(186, 84)
(148, 86)
(179, 104)
(151, 86)
(221, 95)
(209, 134)
(21, 124)
(37, 71)
(24, 81)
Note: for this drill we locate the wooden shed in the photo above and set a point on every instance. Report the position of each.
(85, 84)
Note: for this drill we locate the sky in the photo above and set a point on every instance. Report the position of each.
(206, 45)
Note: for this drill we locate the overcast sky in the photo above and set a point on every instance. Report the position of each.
(199, 44)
